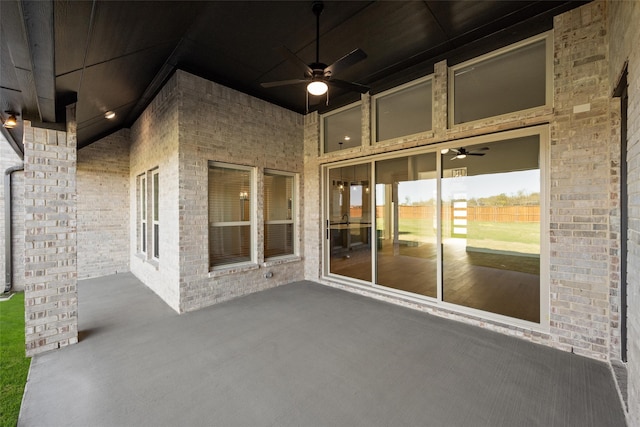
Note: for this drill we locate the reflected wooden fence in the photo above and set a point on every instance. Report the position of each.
(474, 213)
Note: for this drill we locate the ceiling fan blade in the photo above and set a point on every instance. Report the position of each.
(356, 87)
(284, 83)
(345, 62)
(297, 61)
(475, 154)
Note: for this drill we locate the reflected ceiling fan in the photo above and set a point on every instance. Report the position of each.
(461, 153)
(318, 75)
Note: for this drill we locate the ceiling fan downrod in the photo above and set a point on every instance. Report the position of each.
(317, 8)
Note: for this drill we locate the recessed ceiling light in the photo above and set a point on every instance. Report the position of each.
(347, 138)
(109, 115)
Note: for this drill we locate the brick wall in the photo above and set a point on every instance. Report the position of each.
(103, 206)
(154, 144)
(583, 194)
(223, 125)
(581, 197)
(8, 158)
(50, 237)
(624, 42)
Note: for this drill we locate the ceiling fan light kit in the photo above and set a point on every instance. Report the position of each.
(462, 153)
(318, 75)
(317, 88)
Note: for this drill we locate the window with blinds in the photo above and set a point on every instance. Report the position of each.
(155, 214)
(230, 214)
(142, 213)
(279, 213)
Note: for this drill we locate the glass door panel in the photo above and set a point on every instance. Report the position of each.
(491, 227)
(350, 221)
(406, 251)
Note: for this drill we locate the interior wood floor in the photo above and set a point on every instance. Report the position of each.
(498, 283)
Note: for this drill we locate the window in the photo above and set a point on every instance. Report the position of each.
(279, 213)
(459, 224)
(512, 79)
(491, 227)
(406, 224)
(342, 128)
(230, 214)
(155, 214)
(142, 210)
(406, 110)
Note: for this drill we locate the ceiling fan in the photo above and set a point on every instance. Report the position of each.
(461, 153)
(318, 75)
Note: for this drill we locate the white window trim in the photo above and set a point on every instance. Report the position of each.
(374, 108)
(546, 36)
(294, 216)
(334, 112)
(253, 233)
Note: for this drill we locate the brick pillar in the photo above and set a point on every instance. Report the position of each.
(51, 296)
(581, 199)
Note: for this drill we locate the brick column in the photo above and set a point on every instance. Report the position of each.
(581, 199)
(51, 296)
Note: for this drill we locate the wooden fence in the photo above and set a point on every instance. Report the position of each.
(474, 213)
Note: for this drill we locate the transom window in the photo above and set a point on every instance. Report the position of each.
(342, 128)
(402, 111)
(512, 79)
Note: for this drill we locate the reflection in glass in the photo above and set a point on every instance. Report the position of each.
(350, 221)
(406, 224)
(343, 129)
(491, 229)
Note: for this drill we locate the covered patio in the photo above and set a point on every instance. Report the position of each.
(302, 354)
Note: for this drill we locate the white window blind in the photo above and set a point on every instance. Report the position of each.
(278, 214)
(230, 214)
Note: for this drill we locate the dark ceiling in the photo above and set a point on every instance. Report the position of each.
(116, 55)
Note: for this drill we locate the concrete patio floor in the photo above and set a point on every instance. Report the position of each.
(302, 355)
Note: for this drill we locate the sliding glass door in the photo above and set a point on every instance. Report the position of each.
(459, 225)
(491, 227)
(349, 223)
(406, 224)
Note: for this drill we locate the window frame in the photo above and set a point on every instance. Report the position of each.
(155, 214)
(547, 37)
(142, 213)
(408, 85)
(294, 214)
(252, 216)
(543, 131)
(357, 104)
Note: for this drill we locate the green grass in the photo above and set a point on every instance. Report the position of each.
(14, 366)
(518, 232)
